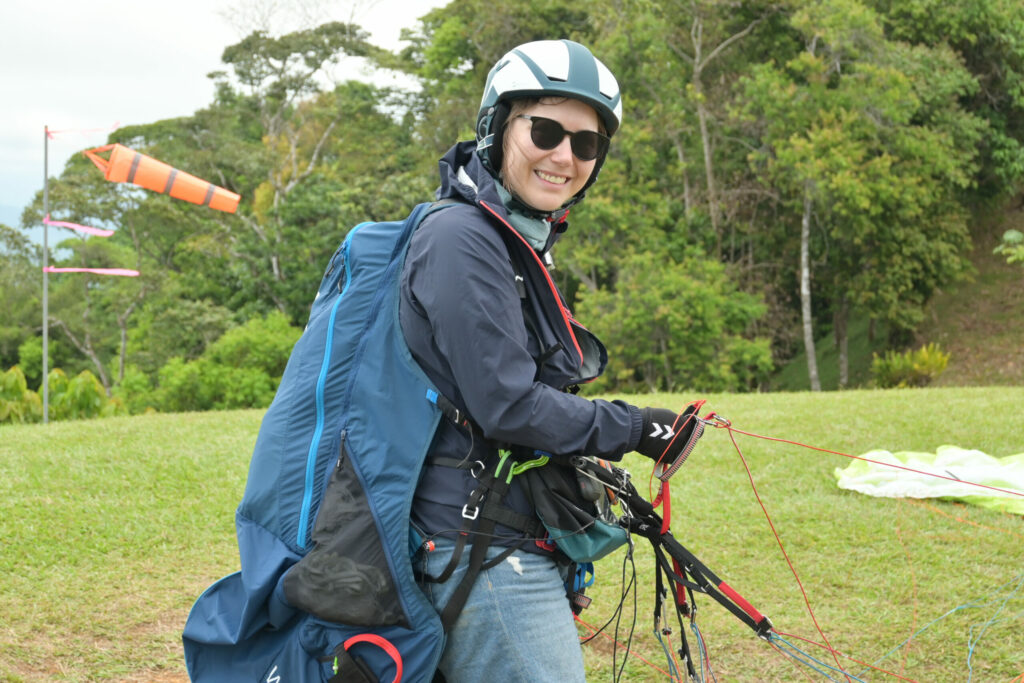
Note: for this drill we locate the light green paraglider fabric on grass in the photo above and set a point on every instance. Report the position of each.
(948, 461)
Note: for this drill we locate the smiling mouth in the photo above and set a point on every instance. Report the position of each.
(556, 179)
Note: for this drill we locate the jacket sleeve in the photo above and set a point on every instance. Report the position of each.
(459, 280)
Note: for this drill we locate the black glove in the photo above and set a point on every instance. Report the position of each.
(667, 437)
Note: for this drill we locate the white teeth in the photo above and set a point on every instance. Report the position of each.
(559, 180)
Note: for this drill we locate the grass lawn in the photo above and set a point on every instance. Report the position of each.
(111, 528)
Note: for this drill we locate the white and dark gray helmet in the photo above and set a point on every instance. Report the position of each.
(544, 68)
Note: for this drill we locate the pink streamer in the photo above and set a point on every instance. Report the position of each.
(84, 131)
(125, 272)
(80, 228)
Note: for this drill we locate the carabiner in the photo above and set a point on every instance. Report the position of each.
(715, 420)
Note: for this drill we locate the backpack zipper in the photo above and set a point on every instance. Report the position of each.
(314, 445)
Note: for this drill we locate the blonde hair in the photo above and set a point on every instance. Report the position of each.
(516, 107)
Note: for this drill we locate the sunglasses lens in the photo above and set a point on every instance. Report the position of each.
(587, 145)
(545, 133)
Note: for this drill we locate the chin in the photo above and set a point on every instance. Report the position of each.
(548, 203)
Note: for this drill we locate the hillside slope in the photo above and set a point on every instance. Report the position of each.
(981, 322)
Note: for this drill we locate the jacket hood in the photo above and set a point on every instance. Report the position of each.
(464, 176)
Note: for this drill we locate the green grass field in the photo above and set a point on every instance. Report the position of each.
(111, 528)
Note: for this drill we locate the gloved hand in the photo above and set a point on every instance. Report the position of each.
(667, 437)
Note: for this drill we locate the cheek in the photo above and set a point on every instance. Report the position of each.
(583, 175)
(514, 161)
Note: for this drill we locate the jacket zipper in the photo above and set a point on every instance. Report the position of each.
(566, 318)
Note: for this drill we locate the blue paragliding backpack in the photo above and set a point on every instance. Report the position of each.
(326, 590)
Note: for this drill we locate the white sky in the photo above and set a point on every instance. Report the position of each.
(95, 64)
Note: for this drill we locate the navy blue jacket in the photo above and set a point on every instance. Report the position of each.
(486, 323)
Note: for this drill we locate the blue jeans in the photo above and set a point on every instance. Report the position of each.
(516, 625)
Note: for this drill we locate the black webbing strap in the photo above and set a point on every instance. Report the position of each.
(460, 595)
(492, 490)
(661, 592)
(483, 511)
(348, 669)
(449, 409)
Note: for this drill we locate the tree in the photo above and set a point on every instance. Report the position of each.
(455, 47)
(21, 283)
(700, 54)
(278, 76)
(875, 164)
(674, 326)
(988, 37)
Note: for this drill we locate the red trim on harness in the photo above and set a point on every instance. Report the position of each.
(383, 644)
(666, 499)
(741, 602)
(566, 318)
(680, 588)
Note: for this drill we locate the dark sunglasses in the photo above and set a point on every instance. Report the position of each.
(586, 145)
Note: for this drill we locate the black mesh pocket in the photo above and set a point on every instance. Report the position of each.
(345, 577)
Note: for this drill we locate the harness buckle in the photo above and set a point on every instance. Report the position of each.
(477, 469)
(470, 514)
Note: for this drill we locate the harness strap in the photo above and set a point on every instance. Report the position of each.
(448, 409)
(459, 596)
(527, 524)
(495, 482)
(531, 526)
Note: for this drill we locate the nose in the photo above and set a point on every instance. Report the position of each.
(562, 154)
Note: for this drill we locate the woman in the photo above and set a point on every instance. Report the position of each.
(484, 320)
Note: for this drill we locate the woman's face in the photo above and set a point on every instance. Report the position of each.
(547, 178)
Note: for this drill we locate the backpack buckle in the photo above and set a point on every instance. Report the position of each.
(470, 514)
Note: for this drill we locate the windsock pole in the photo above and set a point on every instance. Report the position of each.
(46, 275)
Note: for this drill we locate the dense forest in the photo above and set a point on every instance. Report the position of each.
(783, 167)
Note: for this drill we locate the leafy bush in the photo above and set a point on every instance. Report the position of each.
(673, 326)
(261, 343)
(1012, 246)
(80, 397)
(205, 385)
(30, 359)
(135, 391)
(17, 402)
(910, 368)
(240, 370)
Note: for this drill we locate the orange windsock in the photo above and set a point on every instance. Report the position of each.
(128, 166)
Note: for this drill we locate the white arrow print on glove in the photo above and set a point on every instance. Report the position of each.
(657, 431)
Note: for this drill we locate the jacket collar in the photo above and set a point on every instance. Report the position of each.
(463, 176)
